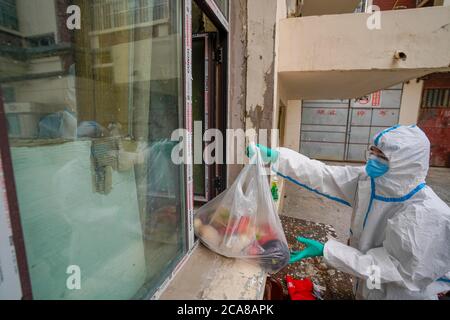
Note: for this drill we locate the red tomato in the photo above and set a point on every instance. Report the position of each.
(266, 234)
(243, 225)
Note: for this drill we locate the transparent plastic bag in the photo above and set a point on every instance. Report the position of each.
(242, 222)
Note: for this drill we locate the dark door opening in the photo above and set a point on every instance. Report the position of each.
(208, 99)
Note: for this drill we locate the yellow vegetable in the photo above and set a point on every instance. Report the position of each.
(197, 224)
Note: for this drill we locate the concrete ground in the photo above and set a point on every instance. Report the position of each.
(331, 284)
(302, 204)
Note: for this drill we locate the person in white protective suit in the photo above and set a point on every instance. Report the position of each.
(400, 229)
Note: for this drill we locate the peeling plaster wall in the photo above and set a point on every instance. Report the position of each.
(262, 17)
(282, 11)
(253, 37)
(254, 94)
(237, 74)
(292, 125)
(411, 99)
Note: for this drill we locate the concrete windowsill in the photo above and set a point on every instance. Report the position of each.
(208, 276)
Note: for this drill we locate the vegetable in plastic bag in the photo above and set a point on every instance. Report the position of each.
(243, 223)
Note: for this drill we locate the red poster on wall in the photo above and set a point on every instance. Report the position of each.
(376, 99)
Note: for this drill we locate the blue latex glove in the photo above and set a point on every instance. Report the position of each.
(268, 155)
(313, 249)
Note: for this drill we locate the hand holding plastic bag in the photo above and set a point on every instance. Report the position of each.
(242, 222)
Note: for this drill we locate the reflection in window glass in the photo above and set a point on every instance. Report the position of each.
(198, 107)
(90, 114)
(223, 6)
(8, 14)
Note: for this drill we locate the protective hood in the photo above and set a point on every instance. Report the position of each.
(408, 151)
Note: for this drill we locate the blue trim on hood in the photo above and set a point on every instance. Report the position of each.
(314, 190)
(444, 280)
(378, 138)
(374, 196)
(404, 198)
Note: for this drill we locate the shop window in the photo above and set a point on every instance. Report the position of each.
(89, 130)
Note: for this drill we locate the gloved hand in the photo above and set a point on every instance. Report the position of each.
(313, 249)
(268, 155)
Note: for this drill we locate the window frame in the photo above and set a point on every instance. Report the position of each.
(13, 206)
(186, 75)
(215, 13)
(187, 204)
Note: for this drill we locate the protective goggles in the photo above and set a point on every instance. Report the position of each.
(374, 152)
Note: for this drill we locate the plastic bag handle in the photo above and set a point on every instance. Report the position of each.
(255, 160)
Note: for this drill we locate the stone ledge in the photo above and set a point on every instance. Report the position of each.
(208, 276)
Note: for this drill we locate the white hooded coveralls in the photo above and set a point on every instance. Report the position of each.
(399, 225)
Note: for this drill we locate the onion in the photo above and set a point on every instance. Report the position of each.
(210, 235)
(197, 224)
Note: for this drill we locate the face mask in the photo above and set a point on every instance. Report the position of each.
(376, 167)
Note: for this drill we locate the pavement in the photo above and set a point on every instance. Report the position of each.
(330, 284)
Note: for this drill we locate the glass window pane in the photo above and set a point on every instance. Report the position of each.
(8, 14)
(223, 6)
(90, 115)
(198, 107)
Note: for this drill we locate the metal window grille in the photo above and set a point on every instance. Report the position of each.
(436, 98)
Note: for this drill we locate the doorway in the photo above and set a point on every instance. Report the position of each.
(208, 100)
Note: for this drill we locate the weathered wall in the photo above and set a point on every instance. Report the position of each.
(411, 98)
(292, 125)
(253, 100)
(262, 15)
(237, 74)
(278, 94)
(319, 59)
(328, 42)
